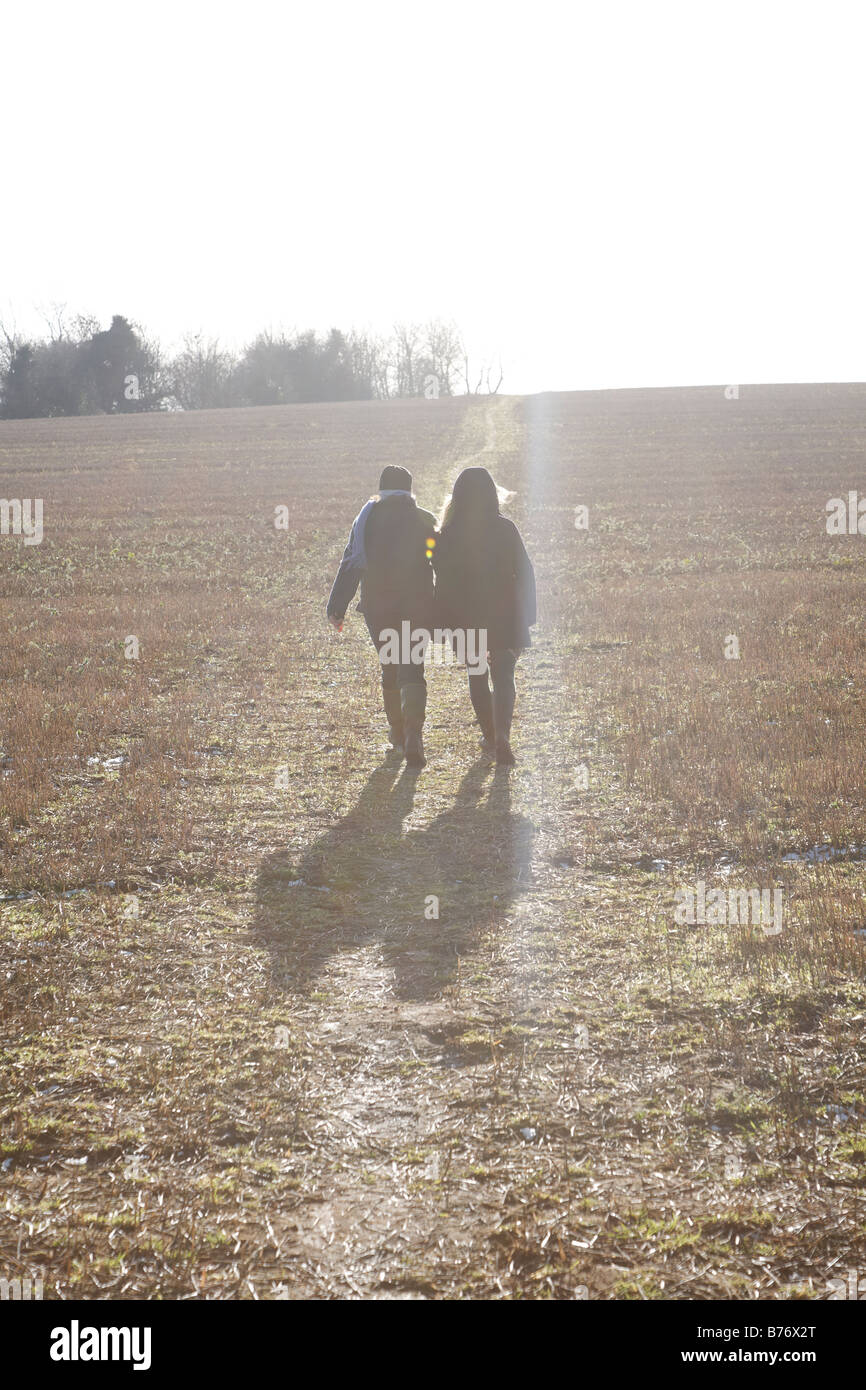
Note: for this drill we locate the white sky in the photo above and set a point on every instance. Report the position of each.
(609, 194)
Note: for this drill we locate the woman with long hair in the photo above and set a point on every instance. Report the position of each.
(485, 580)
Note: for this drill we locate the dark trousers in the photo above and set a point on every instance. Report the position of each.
(494, 713)
(394, 675)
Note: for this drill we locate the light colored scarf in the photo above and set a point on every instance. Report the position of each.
(357, 557)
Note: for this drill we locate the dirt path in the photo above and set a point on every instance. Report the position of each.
(388, 1218)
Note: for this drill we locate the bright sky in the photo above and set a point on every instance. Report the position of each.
(607, 194)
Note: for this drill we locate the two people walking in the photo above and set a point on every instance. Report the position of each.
(470, 578)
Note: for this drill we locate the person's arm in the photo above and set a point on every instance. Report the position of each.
(345, 585)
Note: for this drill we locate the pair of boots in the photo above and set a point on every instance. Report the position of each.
(405, 708)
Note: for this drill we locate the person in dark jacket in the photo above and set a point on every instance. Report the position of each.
(388, 554)
(485, 580)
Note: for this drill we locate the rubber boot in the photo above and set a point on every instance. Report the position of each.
(414, 702)
(504, 753)
(394, 714)
(503, 712)
(482, 703)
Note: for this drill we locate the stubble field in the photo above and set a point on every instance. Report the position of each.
(239, 1057)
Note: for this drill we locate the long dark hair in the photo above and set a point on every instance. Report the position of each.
(473, 505)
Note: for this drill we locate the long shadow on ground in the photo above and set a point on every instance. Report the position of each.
(366, 882)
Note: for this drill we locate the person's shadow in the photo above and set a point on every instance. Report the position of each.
(364, 882)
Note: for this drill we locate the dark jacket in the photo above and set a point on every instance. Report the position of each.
(398, 580)
(488, 583)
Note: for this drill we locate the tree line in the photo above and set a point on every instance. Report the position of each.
(79, 368)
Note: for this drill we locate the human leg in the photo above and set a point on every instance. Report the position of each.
(390, 688)
(413, 700)
(482, 703)
(502, 664)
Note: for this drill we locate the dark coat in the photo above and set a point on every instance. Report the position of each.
(398, 580)
(487, 584)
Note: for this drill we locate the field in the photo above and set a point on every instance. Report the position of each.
(239, 1058)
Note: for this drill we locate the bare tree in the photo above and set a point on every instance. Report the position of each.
(407, 337)
(485, 375)
(370, 359)
(200, 375)
(423, 355)
(10, 341)
(443, 350)
(55, 322)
